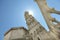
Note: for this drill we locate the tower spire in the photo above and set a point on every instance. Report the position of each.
(31, 21)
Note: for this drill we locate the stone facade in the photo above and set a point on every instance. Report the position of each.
(19, 33)
(35, 27)
(35, 30)
(47, 11)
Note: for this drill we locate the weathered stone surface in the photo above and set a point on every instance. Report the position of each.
(46, 11)
(35, 30)
(19, 33)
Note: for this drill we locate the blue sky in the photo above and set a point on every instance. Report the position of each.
(12, 13)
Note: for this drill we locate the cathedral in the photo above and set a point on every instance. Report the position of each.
(35, 30)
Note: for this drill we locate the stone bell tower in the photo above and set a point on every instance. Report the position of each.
(30, 20)
(36, 30)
